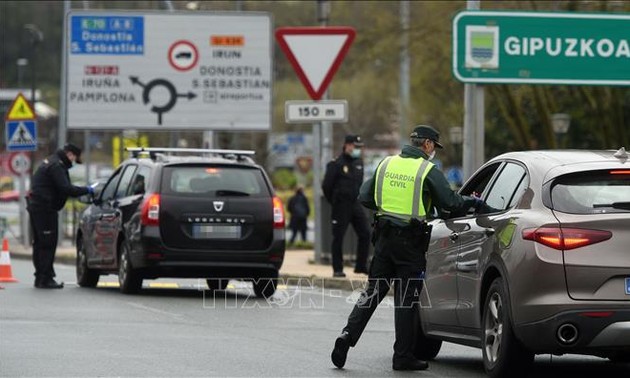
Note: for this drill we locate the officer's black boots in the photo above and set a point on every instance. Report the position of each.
(339, 354)
(339, 274)
(48, 283)
(410, 365)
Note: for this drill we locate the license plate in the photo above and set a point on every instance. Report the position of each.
(216, 231)
(628, 285)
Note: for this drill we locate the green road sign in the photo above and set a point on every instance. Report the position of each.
(541, 48)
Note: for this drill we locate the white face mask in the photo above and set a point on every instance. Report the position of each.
(356, 153)
(432, 155)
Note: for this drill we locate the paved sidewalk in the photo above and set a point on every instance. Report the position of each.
(297, 264)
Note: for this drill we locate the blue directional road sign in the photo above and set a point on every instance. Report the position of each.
(21, 135)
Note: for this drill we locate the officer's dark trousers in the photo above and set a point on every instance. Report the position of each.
(398, 260)
(343, 214)
(45, 227)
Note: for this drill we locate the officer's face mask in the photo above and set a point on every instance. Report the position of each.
(432, 155)
(356, 153)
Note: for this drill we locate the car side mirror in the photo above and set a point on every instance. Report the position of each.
(86, 199)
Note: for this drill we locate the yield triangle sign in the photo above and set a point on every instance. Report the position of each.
(315, 53)
(20, 109)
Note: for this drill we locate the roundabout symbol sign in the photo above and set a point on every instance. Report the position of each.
(170, 88)
(183, 55)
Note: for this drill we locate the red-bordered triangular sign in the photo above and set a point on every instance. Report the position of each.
(20, 109)
(315, 53)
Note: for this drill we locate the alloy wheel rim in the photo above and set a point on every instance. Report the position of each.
(494, 328)
(122, 275)
(82, 262)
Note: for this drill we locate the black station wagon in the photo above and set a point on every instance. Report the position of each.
(209, 214)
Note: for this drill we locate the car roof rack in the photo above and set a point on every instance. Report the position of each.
(155, 152)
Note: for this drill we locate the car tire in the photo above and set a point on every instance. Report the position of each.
(217, 283)
(265, 287)
(86, 277)
(503, 354)
(129, 278)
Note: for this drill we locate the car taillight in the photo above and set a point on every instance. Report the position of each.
(565, 238)
(278, 213)
(151, 210)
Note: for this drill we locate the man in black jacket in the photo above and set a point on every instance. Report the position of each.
(342, 181)
(50, 189)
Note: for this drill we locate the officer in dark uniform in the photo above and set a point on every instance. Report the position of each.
(402, 191)
(342, 181)
(50, 188)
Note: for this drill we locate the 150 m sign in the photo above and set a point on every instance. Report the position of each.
(316, 111)
(541, 48)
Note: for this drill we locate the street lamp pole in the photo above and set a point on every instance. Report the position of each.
(21, 63)
(37, 37)
(560, 123)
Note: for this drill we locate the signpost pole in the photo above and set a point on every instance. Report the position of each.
(23, 214)
(326, 46)
(63, 116)
(323, 143)
(63, 107)
(473, 156)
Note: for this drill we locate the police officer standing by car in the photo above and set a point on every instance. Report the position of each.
(341, 184)
(402, 191)
(50, 189)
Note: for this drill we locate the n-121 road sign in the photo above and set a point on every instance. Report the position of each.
(316, 111)
(541, 48)
(165, 71)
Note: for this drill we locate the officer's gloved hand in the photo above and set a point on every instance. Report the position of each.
(90, 190)
(479, 204)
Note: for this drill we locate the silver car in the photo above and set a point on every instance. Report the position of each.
(543, 268)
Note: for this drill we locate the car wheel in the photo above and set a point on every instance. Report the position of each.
(217, 283)
(265, 287)
(129, 279)
(503, 355)
(86, 277)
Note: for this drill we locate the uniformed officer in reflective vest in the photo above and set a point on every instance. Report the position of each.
(402, 191)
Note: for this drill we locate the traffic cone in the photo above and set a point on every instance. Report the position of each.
(5, 263)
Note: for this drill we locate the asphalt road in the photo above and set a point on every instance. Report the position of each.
(187, 332)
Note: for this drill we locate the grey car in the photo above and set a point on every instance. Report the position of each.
(544, 268)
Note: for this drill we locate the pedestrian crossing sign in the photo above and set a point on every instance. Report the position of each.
(20, 109)
(21, 135)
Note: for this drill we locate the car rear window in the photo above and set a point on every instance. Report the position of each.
(203, 181)
(592, 192)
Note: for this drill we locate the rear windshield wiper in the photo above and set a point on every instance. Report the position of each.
(614, 205)
(231, 193)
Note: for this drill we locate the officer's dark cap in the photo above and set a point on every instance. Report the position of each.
(69, 147)
(353, 139)
(427, 132)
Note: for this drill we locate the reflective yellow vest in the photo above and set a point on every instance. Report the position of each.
(398, 187)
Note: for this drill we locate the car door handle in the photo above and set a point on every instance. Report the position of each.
(489, 231)
(470, 266)
(454, 236)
